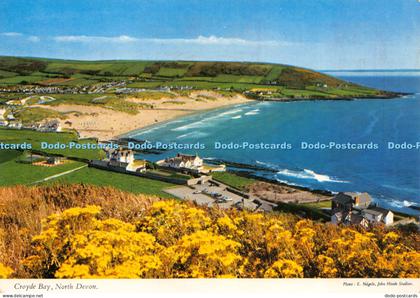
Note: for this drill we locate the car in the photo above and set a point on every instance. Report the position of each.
(196, 192)
(220, 201)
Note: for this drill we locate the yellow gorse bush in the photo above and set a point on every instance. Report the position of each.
(5, 271)
(173, 239)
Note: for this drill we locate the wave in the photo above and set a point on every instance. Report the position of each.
(253, 112)
(268, 165)
(309, 174)
(207, 121)
(401, 204)
(194, 134)
(230, 112)
(289, 183)
(236, 117)
(197, 124)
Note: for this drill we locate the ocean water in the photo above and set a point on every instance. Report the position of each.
(392, 177)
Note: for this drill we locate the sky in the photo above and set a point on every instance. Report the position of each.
(318, 34)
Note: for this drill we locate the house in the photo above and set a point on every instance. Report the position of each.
(137, 166)
(54, 160)
(376, 214)
(15, 124)
(346, 201)
(125, 159)
(180, 161)
(356, 219)
(50, 126)
(353, 208)
(120, 155)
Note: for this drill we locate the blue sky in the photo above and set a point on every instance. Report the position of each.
(319, 34)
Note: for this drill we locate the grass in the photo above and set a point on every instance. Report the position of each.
(133, 184)
(233, 180)
(21, 80)
(35, 138)
(14, 173)
(320, 205)
(170, 174)
(151, 95)
(171, 72)
(121, 105)
(240, 76)
(303, 210)
(34, 115)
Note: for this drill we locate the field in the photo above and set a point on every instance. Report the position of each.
(35, 138)
(15, 173)
(132, 184)
(294, 82)
(233, 180)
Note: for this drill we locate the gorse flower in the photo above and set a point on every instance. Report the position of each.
(174, 239)
(5, 271)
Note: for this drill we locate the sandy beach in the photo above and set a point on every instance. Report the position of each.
(105, 124)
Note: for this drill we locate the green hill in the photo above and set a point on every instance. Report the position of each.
(257, 80)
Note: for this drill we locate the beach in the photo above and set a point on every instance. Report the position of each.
(105, 123)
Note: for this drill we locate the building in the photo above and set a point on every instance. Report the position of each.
(184, 161)
(54, 160)
(346, 201)
(376, 214)
(125, 159)
(120, 155)
(137, 166)
(352, 208)
(50, 126)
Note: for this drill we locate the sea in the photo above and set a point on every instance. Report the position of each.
(363, 145)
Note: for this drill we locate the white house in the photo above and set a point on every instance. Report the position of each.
(125, 159)
(180, 161)
(50, 126)
(120, 155)
(377, 215)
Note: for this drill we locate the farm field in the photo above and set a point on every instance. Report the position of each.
(294, 82)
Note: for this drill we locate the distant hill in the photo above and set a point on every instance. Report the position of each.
(260, 80)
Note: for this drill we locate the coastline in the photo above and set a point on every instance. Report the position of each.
(130, 133)
(106, 124)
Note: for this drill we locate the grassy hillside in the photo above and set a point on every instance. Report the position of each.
(82, 231)
(258, 80)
